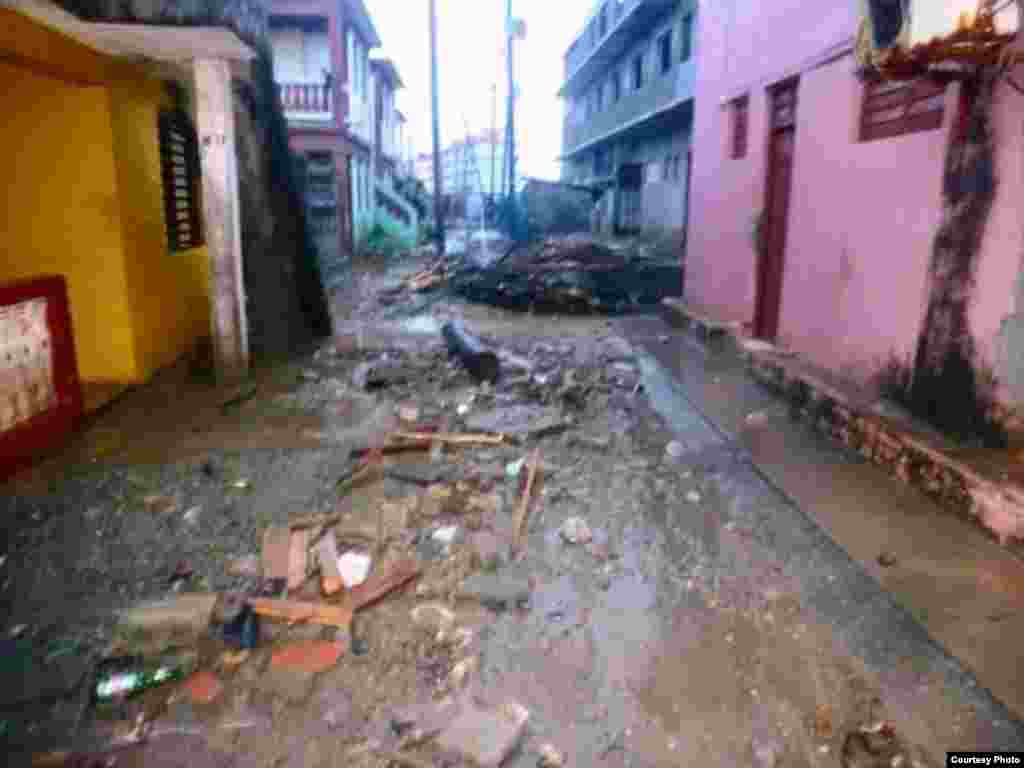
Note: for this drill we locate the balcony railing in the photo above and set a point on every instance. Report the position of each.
(307, 101)
(674, 86)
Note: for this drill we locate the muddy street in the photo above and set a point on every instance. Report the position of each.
(658, 602)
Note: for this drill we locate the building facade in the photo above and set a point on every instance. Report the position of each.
(629, 91)
(388, 170)
(818, 198)
(471, 168)
(321, 65)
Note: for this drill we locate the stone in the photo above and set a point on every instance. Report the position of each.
(487, 550)
(193, 612)
(461, 672)
(693, 497)
(485, 736)
(434, 617)
(549, 757)
(497, 592)
(518, 420)
(675, 450)
(576, 531)
(191, 516)
(246, 565)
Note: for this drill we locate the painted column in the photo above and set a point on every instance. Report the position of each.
(215, 119)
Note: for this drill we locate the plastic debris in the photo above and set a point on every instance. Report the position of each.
(354, 568)
(514, 468)
(313, 656)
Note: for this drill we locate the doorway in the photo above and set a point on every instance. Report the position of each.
(774, 223)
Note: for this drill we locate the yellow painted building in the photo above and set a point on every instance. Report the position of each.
(83, 197)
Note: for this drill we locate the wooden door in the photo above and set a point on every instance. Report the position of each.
(771, 266)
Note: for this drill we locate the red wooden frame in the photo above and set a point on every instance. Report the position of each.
(28, 441)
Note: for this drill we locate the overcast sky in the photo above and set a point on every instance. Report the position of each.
(471, 60)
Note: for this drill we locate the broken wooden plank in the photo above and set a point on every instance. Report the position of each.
(295, 612)
(314, 521)
(327, 554)
(298, 557)
(381, 583)
(275, 552)
(310, 656)
(524, 503)
(451, 438)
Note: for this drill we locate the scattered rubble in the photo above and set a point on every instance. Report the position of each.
(576, 531)
(485, 735)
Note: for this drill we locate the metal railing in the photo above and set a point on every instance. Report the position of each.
(307, 100)
(676, 84)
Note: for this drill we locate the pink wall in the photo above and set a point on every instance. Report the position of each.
(862, 215)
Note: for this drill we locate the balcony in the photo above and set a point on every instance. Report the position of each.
(313, 102)
(633, 109)
(591, 53)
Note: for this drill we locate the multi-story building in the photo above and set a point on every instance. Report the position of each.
(329, 89)
(628, 91)
(390, 206)
(469, 167)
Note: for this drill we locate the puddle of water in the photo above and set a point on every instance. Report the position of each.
(425, 325)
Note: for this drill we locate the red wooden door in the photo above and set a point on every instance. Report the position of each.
(771, 263)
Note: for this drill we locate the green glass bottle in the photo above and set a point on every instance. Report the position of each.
(126, 676)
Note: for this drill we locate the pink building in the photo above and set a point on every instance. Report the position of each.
(841, 183)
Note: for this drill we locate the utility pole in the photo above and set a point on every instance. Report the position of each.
(494, 138)
(510, 125)
(438, 217)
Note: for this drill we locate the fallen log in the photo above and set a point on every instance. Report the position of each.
(482, 364)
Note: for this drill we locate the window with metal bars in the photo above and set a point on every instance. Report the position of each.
(896, 108)
(686, 38)
(179, 162)
(739, 110)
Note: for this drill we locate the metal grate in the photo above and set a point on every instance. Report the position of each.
(179, 161)
(897, 108)
(739, 109)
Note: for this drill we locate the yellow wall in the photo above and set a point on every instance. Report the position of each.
(85, 201)
(168, 291)
(61, 210)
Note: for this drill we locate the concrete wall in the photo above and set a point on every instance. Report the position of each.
(862, 216)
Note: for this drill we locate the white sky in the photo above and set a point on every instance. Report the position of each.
(471, 59)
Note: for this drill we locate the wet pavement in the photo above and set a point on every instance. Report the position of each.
(711, 619)
(953, 577)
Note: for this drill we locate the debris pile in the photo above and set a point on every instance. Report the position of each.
(572, 273)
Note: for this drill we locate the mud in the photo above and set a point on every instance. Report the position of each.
(711, 619)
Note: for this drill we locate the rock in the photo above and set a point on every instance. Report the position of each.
(193, 612)
(675, 450)
(445, 537)
(191, 516)
(518, 420)
(887, 560)
(549, 757)
(246, 565)
(576, 531)
(663, 339)
(354, 568)
(693, 497)
(485, 736)
(435, 617)
(462, 671)
(766, 755)
(487, 551)
(496, 592)
(408, 413)
(159, 505)
(756, 419)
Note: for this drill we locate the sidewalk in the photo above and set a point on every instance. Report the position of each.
(965, 589)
